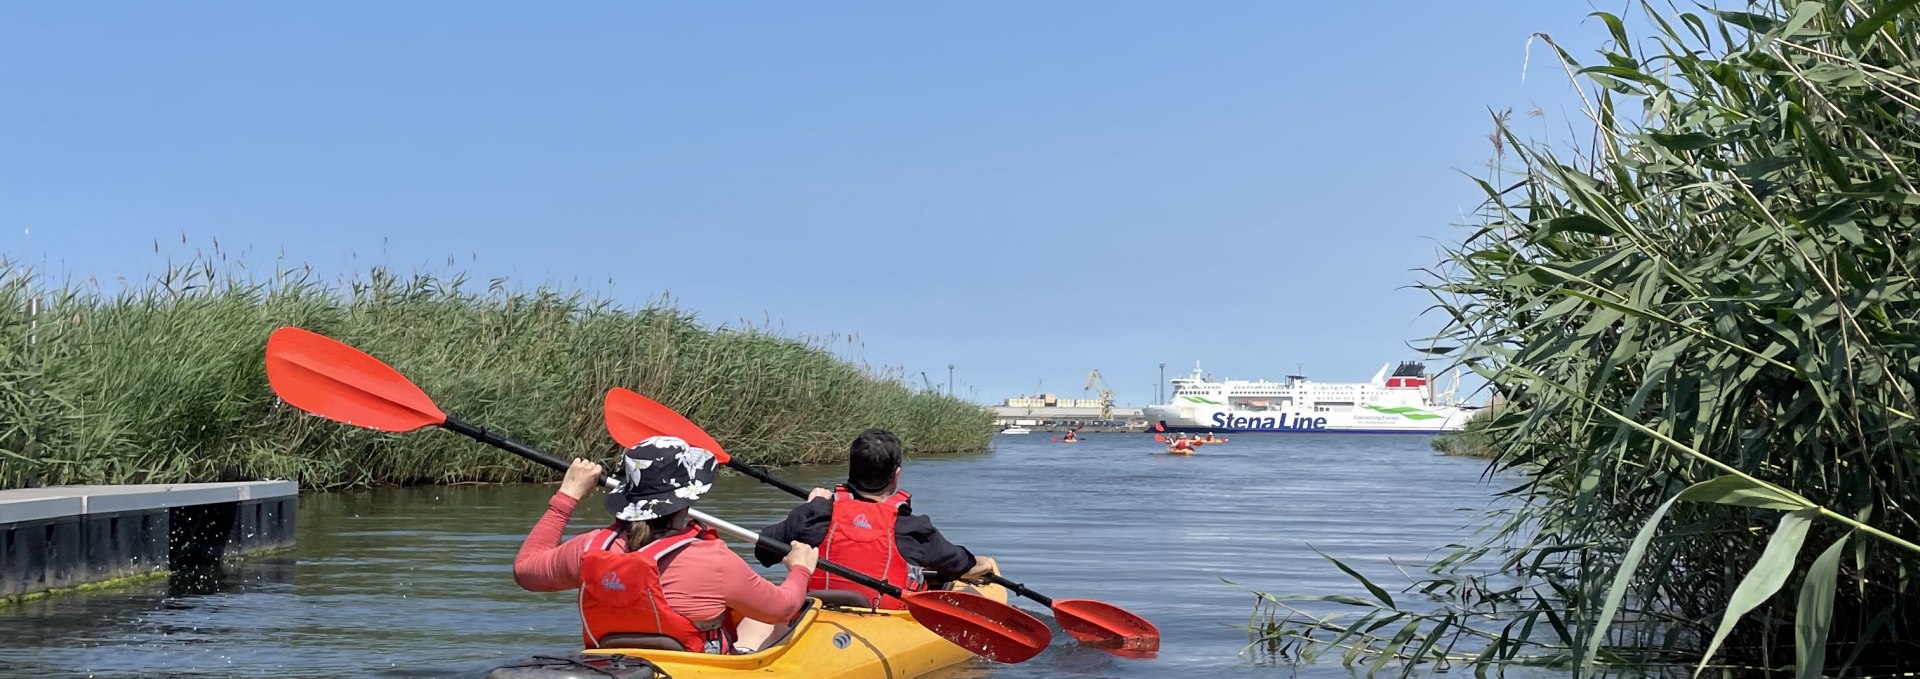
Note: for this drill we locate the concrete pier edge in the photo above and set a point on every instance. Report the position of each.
(61, 539)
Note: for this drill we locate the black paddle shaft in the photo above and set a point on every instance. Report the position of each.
(481, 434)
(1020, 589)
(765, 478)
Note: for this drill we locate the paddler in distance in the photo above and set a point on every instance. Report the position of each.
(867, 524)
(654, 571)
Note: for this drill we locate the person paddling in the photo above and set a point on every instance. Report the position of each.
(1182, 443)
(654, 571)
(867, 524)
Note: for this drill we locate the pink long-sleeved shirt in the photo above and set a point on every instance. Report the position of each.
(702, 581)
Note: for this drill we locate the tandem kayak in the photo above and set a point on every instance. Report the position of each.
(829, 641)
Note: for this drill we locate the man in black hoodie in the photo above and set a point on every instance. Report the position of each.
(850, 524)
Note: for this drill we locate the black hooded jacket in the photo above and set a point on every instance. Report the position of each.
(914, 536)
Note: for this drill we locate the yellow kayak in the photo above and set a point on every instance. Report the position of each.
(828, 642)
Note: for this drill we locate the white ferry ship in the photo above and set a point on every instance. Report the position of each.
(1402, 402)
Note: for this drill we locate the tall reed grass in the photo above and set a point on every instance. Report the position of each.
(164, 382)
(1706, 319)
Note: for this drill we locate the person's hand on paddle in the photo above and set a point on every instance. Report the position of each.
(982, 567)
(581, 478)
(801, 555)
(819, 493)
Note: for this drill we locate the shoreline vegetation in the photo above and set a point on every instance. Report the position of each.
(1472, 441)
(164, 381)
(1704, 315)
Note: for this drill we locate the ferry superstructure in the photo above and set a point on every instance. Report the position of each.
(1402, 401)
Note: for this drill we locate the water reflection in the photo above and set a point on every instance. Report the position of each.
(418, 582)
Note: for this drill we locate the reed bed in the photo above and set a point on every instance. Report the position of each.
(164, 382)
(1705, 319)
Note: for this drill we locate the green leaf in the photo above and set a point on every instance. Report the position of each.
(1815, 614)
(1744, 492)
(1626, 74)
(1618, 29)
(1747, 20)
(1578, 223)
(1867, 27)
(1375, 589)
(1802, 13)
(1334, 598)
(1764, 579)
(1399, 641)
(1689, 141)
(1850, 231)
(1618, 590)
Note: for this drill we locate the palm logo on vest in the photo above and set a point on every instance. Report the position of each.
(611, 581)
(862, 521)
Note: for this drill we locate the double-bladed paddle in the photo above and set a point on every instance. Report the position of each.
(632, 418)
(325, 377)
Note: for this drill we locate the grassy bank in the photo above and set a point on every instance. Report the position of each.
(1472, 441)
(1704, 311)
(164, 382)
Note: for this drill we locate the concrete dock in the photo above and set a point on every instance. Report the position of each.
(1063, 418)
(66, 536)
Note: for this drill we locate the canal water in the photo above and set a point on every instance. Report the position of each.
(417, 582)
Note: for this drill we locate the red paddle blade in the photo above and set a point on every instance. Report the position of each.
(323, 376)
(1102, 623)
(632, 418)
(990, 629)
(1159, 427)
(1159, 438)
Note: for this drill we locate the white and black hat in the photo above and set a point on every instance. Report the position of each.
(662, 475)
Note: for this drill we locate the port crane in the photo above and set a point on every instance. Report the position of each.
(1106, 393)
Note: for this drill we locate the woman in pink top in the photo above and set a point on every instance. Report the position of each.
(701, 581)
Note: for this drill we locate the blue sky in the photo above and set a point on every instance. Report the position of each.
(1025, 190)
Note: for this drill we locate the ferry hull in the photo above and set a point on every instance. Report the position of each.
(1176, 429)
(1423, 421)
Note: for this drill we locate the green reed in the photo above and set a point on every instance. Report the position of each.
(164, 382)
(1705, 321)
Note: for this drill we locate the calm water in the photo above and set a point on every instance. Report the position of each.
(417, 582)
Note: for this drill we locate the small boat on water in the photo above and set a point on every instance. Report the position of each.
(832, 640)
(1016, 430)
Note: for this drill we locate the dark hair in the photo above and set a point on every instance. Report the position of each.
(871, 459)
(639, 533)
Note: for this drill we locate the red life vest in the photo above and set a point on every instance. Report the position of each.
(620, 592)
(860, 536)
